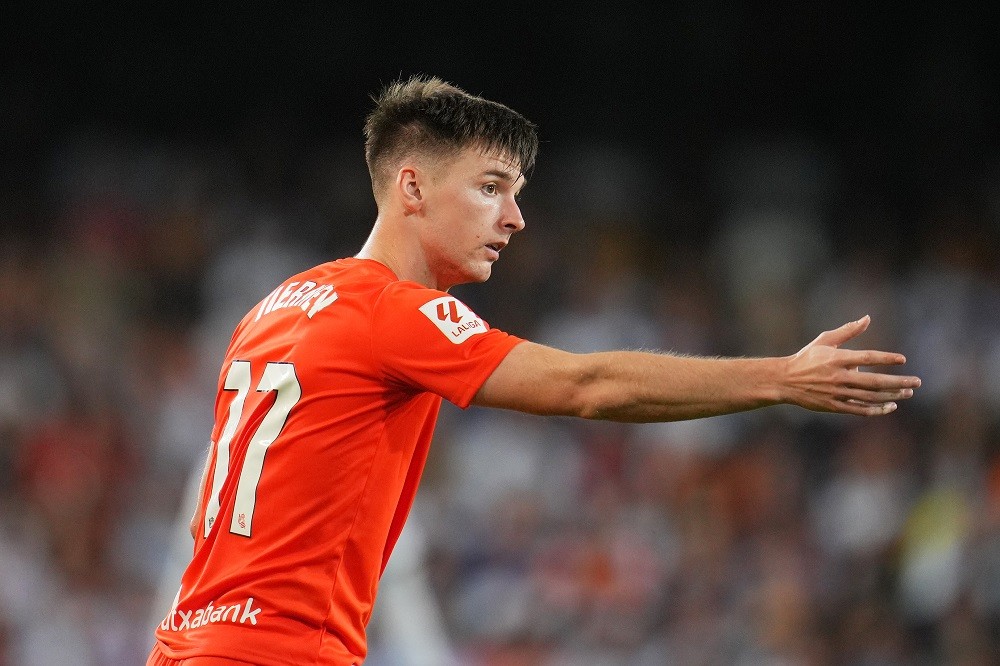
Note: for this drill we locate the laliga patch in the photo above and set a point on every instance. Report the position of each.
(454, 318)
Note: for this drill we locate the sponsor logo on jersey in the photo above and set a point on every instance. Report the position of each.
(451, 314)
(453, 318)
(179, 619)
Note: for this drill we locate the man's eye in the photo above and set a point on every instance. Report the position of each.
(490, 188)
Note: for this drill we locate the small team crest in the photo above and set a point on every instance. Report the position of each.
(454, 318)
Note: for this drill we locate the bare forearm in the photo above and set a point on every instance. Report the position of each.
(644, 387)
(629, 386)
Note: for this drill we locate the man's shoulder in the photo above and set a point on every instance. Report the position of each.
(349, 270)
(317, 287)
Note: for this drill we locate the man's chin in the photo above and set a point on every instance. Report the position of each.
(481, 273)
(472, 277)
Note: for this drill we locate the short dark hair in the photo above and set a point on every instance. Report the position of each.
(425, 114)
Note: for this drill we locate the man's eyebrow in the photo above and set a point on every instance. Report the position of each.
(502, 175)
(506, 175)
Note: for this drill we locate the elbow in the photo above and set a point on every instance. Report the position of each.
(604, 392)
(587, 401)
(601, 406)
(591, 396)
(591, 411)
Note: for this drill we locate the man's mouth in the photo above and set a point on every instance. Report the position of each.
(495, 248)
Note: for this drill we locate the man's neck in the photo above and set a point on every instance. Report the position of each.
(386, 247)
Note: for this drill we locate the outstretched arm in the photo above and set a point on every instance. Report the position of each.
(645, 387)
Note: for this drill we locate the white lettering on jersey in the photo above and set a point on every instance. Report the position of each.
(309, 296)
(453, 318)
(323, 295)
(238, 613)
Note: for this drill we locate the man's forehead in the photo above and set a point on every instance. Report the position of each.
(474, 161)
(500, 164)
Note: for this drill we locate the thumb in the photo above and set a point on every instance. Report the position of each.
(848, 331)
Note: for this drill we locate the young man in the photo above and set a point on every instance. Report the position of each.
(331, 386)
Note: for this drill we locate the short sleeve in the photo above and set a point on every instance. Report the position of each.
(426, 340)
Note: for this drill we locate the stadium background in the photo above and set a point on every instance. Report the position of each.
(718, 179)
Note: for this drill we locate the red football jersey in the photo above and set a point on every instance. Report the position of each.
(327, 402)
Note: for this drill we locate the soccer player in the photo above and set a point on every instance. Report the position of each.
(331, 386)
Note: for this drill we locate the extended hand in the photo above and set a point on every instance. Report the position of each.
(825, 378)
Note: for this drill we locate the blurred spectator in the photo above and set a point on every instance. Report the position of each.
(775, 537)
(862, 506)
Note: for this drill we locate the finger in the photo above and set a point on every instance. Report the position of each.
(874, 381)
(877, 397)
(848, 331)
(866, 409)
(871, 357)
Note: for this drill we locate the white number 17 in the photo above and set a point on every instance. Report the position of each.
(279, 377)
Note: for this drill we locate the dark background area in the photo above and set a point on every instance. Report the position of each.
(713, 179)
(908, 98)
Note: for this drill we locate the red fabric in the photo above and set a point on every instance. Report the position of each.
(339, 478)
(156, 658)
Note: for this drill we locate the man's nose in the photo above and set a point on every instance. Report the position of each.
(513, 221)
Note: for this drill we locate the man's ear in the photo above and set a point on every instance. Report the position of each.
(409, 180)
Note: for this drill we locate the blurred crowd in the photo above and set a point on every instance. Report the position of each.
(775, 536)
